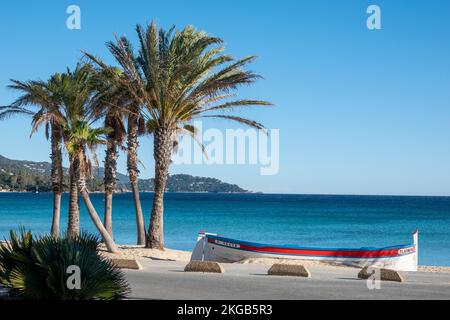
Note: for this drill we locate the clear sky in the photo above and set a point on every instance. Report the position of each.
(359, 111)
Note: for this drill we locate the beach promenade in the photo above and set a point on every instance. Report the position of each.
(166, 280)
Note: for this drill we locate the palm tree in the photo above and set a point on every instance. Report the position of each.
(114, 138)
(178, 76)
(46, 96)
(80, 138)
(114, 96)
(110, 104)
(135, 128)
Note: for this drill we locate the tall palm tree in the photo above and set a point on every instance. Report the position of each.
(112, 99)
(46, 96)
(135, 128)
(114, 138)
(179, 76)
(109, 104)
(80, 138)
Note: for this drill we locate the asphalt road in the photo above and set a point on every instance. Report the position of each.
(167, 280)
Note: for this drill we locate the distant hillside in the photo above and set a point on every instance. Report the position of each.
(24, 175)
(187, 183)
(17, 165)
(19, 175)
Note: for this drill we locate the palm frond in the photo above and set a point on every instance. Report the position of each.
(247, 122)
(9, 111)
(176, 76)
(191, 131)
(237, 103)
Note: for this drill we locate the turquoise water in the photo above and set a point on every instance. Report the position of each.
(306, 220)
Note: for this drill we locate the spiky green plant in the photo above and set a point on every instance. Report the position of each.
(36, 268)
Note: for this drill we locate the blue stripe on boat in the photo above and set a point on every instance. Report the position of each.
(259, 245)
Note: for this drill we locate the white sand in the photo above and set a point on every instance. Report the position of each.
(434, 269)
(139, 252)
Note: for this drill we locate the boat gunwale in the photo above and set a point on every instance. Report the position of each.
(293, 247)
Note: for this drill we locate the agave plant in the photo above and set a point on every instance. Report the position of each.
(37, 268)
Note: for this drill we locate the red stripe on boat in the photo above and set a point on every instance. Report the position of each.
(313, 252)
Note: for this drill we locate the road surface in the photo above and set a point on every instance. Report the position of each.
(167, 280)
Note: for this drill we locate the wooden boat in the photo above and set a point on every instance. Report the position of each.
(212, 247)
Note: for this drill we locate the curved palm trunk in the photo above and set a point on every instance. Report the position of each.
(110, 180)
(73, 228)
(57, 178)
(82, 187)
(163, 145)
(133, 173)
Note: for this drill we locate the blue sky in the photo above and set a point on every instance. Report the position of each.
(359, 111)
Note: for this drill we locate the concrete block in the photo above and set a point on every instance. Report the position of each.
(204, 266)
(385, 274)
(127, 263)
(295, 270)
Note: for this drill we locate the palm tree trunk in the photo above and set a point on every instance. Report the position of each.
(140, 223)
(57, 178)
(73, 228)
(54, 231)
(133, 173)
(82, 187)
(110, 181)
(108, 213)
(163, 145)
(109, 242)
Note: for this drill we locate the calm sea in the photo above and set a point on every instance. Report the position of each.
(307, 220)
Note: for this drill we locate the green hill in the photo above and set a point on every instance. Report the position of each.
(20, 175)
(187, 183)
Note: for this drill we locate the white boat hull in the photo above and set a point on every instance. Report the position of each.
(211, 247)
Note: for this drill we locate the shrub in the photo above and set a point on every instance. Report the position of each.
(37, 268)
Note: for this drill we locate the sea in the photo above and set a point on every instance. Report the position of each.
(322, 221)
